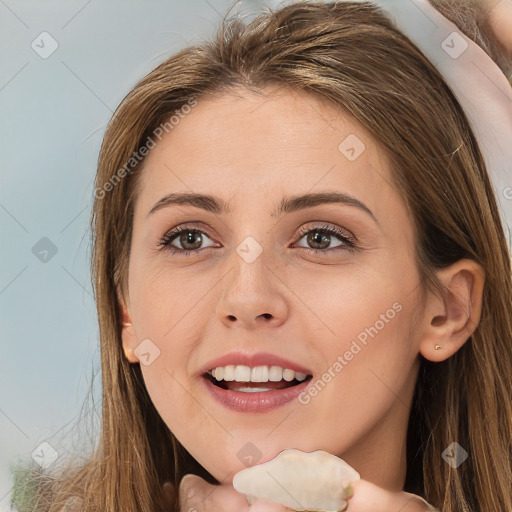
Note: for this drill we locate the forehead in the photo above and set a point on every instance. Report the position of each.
(255, 146)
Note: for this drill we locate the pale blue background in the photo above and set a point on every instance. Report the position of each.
(53, 113)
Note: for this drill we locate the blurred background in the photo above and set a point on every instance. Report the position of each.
(65, 66)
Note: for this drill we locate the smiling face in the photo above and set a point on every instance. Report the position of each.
(253, 282)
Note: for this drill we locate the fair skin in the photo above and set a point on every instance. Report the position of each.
(252, 150)
(500, 17)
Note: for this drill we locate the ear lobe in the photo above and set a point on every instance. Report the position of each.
(128, 333)
(450, 320)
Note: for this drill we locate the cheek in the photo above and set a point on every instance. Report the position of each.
(171, 314)
(342, 306)
(365, 378)
(365, 347)
(164, 301)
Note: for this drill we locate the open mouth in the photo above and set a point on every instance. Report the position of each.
(254, 387)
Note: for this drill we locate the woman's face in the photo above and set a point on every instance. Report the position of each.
(253, 283)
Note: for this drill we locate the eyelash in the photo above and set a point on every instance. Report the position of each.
(349, 242)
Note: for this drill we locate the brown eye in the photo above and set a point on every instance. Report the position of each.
(318, 239)
(188, 240)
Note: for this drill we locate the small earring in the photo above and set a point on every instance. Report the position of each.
(129, 354)
(437, 347)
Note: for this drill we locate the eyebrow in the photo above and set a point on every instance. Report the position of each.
(288, 204)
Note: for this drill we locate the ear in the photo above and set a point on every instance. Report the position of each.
(128, 334)
(450, 320)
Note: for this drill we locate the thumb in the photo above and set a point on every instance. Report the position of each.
(368, 496)
(192, 486)
(264, 505)
(197, 494)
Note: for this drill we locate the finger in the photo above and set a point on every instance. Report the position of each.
(500, 17)
(368, 496)
(263, 505)
(201, 496)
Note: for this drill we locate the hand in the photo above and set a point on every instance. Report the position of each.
(368, 496)
(196, 495)
(500, 18)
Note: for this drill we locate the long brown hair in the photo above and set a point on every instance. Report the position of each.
(347, 53)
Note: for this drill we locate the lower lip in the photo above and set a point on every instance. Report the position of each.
(260, 401)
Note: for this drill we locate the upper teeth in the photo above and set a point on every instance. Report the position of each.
(241, 373)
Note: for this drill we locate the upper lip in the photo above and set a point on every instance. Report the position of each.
(254, 359)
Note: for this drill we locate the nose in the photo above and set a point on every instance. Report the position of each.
(252, 295)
